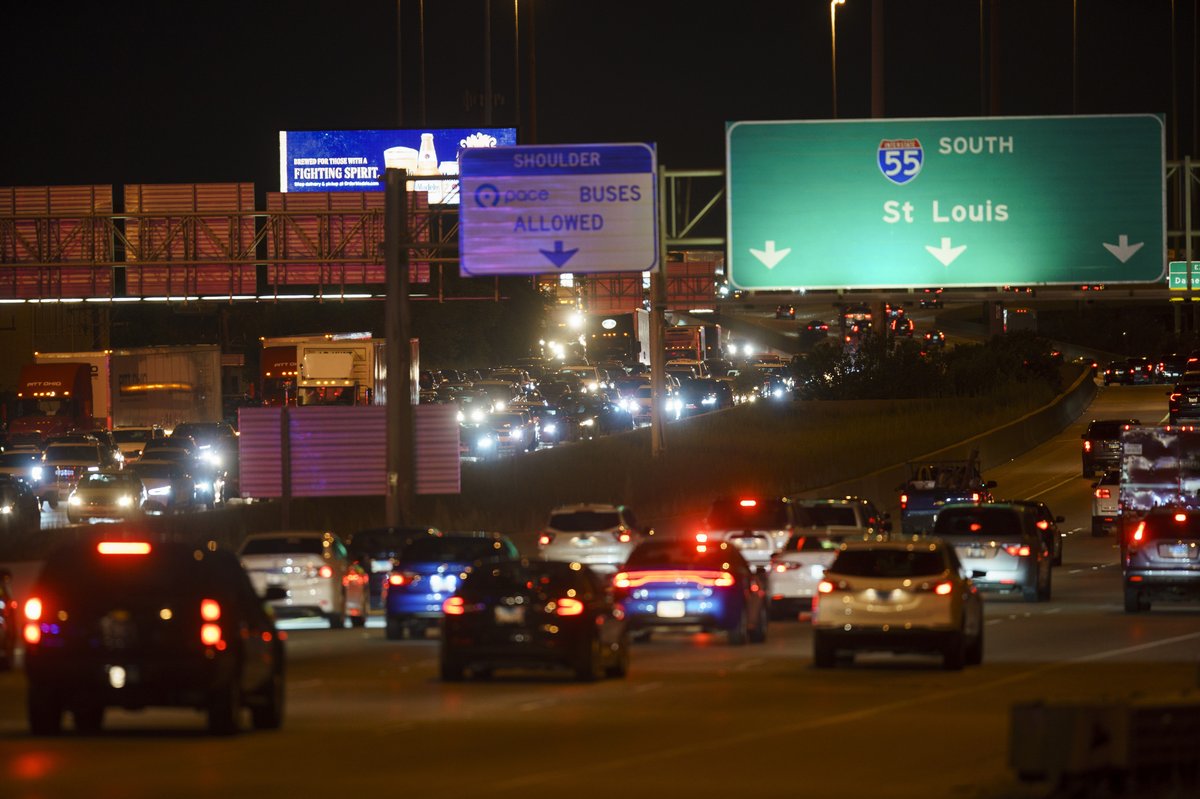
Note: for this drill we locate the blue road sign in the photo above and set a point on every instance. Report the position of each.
(531, 210)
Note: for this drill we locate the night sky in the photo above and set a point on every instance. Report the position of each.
(197, 92)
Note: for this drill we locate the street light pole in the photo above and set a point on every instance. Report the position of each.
(833, 4)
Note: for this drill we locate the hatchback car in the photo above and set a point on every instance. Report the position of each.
(597, 535)
(428, 570)
(817, 515)
(170, 486)
(680, 583)
(1000, 545)
(534, 614)
(377, 549)
(1048, 524)
(1106, 504)
(1162, 559)
(315, 572)
(1102, 444)
(113, 495)
(133, 623)
(1183, 401)
(898, 596)
(64, 464)
(798, 568)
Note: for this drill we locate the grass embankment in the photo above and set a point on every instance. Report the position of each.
(765, 447)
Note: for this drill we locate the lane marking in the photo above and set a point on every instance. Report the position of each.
(720, 744)
(749, 664)
(1050, 488)
(536, 704)
(650, 686)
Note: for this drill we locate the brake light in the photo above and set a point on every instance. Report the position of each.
(210, 634)
(748, 503)
(825, 587)
(544, 539)
(724, 580)
(1181, 517)
(454, 606)
(396, 578)
(1174, 396)
(903, 501)
(1103, 493)
(624, 537)
(325, 571)
(701, 538)
(976, 496)
(1087, 446)
(33, 613)
(1018, 550)
(1140, 532)
(1043, 524)
(210, 609)
(943, 589)
(123, 548)
(621, 580)
(568, 607)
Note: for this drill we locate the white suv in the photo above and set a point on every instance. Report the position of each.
(1106, 511)
(314, 568)
(600, 536)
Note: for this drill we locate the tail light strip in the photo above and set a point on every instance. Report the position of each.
(718, 579)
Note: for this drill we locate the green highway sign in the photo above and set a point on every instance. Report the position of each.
(1177, 275)
(990, 201)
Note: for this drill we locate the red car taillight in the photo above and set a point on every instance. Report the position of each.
(1018, 550)
(1103, 493)
(568, 606)
(33, 617)
(1087, 446)
(210, 631)
(454, 606)
(903, 501)
(325, 571)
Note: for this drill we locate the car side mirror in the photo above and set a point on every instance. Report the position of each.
(274, 592)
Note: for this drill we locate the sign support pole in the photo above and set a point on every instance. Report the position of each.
(658, 308)
(396, 336)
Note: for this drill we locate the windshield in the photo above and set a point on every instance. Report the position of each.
(19, 458)
(825, 516)
(583, 521)
(97, 480)
(888, 563)
(1109, 429)
(768, 514)
(514, 577)
(443, 549)
(154, 469)
(814, 543)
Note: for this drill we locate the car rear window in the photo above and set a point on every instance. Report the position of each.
(103, 480)
(19, 459)
(1167, 526)
(79, 572)
(84, 452)
(676, 553)
(813, 543)
(764, 514)
(544, 577)
(584, 521)
(824, 515)
(444, 549)
(1107, 429)
(283, 546)
(983, 521)
(888, 563)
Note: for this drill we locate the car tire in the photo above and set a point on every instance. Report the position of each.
(737, 633)
(824, 655)
(224, 706)
(759, 634)
(954, 653)
(451, 670)
(44, 709)
(641, 636)
(336, 621)
(1098, 529)
(395, 628)
(1088, 469)
(589, 666)
(268, 714)
(1134, 603)
(359, 621)
(1058, 554)
(89, 719)
(620, 665)
(1031, 593)
(1044, 591)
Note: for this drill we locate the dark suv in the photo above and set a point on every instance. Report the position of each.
(1183, 402)
(1162, 558)
(137, 622)
(1102, 444)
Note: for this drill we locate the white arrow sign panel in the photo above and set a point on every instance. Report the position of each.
(946, 254)
(770, 256)
(1123, 250)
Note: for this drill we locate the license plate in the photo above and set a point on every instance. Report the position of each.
(1174, 550)
(976, 552)
(381, 566)
(584, 541)
(673, 609)
(510, 614)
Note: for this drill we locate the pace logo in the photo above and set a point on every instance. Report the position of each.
(900, 160)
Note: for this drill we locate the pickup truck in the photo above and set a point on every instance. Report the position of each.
(933, 484)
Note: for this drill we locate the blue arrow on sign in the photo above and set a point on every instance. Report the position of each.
(558, 256)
